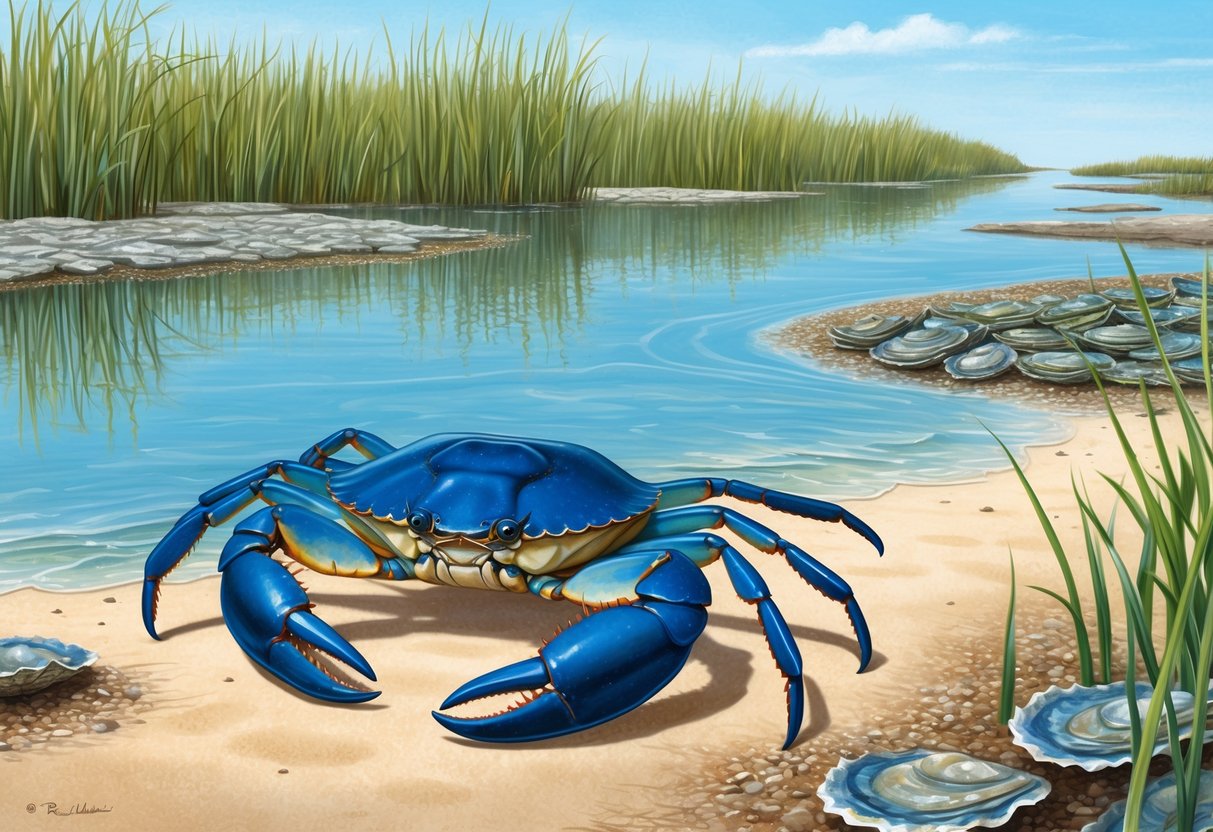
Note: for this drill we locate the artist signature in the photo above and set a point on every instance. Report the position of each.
(67, 811)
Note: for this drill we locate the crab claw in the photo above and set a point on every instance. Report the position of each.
(602, 667)
(268, 614)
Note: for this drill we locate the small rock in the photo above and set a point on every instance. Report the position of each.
(799, 819)
(109, 600)
(987, 508)
(133, 692)
(228, 679)
(753, 787)
(56, 611)
(61, 732)
(284, 771)
(105, 726)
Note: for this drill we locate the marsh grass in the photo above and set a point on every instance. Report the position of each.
(98, 121)
(1177, 175)
(1174, 513)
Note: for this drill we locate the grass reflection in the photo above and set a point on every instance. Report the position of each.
(84, 354)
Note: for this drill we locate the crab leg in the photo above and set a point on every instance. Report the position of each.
(221, 503)
(367, 444)
(606, 664)
(693, 518)
(267, 611)
(695, 490)
(705, 548)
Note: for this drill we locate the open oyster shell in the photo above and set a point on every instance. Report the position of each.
(983, 362)
(29, 664)
(926, 791)
(1158, 808)
(1089, 727)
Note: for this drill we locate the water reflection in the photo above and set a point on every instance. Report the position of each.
(88, 354)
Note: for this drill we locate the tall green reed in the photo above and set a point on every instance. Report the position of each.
(97, 121)
(78, 112)
(1174, 514)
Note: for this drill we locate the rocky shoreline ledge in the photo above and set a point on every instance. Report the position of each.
(1170, 230)
(188, 238)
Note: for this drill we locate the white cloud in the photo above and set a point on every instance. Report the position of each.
(915, 33)
(1079, 68)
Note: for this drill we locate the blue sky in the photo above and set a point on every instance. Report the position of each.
(1059, 83)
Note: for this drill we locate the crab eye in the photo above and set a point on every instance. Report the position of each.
(420, 521)
(507, 531)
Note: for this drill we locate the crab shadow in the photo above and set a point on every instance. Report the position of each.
(408, 610)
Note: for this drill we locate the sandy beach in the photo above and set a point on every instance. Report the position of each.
(249, 753)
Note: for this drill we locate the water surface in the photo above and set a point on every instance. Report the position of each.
(637, 330)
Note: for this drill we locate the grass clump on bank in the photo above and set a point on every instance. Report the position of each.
(99, 121)
(1174, 513)
(1177, 175)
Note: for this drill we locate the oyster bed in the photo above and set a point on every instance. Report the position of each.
(769, 790)
(808, 335)
(97, 700)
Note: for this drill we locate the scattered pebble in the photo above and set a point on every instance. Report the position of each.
(110, 600)
(774, 790)
(284, 771)
(228, 679)
(81, 705)
(987, 508)
(56, 612)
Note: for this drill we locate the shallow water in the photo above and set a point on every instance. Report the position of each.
(637, 330)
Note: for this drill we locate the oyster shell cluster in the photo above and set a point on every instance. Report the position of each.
(30, 664)
(1044, 338)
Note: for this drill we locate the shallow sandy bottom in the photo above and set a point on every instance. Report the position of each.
(210, 752)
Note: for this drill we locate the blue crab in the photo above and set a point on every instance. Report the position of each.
(549, 518)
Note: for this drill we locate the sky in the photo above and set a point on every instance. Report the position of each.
(1058, 83)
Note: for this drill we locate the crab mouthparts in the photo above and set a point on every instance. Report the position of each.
(461, 551)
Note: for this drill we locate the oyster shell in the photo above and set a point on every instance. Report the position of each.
(1191, 370)
(925, 791)
(1191, 323)
(1076, 313)
(1047, 300)
(1189, 288)
(1159, 808)
(926, 347)
(1117, 339)
(952, 309)
(1063, 367)
(1125, 299)
(1163, 318)
(29, 664)
(1130, 372)
(868, 331)
(1033, 338)
(1089, 727)
(1174, 345)
(1002, 314)
(985, 361)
